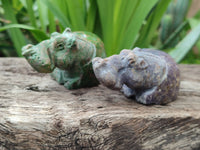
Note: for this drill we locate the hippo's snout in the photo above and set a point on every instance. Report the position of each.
(26, 50)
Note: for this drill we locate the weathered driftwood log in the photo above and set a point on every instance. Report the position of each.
(37, 113)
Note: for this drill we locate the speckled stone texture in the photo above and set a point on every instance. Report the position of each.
(149, 76)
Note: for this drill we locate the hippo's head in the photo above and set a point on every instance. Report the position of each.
(116, 70)
(66, 51)
(107, 71)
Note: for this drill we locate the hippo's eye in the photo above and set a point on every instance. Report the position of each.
(60, 46)
(122, 58)
(131, 61)
(73, 46)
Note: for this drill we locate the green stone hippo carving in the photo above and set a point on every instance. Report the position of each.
(67, 56)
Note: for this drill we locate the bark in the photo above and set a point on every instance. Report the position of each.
(37, 113)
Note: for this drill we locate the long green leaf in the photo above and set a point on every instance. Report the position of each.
(91, 15)
(124, 11)
(121, 22)
(43, 15)
(77, 14)
(15, 34)
(174, 35)
(52, 24)
(31, 12)
(57, 12)
(135, 23)
(149, 29)
(106, 10)
(114, 16)
(179, 52)
(62, 6)
(24, 3)
(39, 35)
(193, 23)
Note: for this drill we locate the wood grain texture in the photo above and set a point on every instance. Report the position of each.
(37, 113)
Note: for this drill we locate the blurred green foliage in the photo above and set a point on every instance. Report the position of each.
(159, 24)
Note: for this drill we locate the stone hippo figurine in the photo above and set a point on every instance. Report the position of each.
(151, 76)
(68, 56)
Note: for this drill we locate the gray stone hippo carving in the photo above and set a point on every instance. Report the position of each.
(151, 76)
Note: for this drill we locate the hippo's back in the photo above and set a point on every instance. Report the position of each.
(95, 40)
(168, 89)
(161, 54)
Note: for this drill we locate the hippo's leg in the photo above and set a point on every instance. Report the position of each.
(128, 92)
(147, 97)
(62, 77)
(58, 75)
(72, 83)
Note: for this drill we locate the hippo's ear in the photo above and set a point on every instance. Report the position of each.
(67, 30)
(54, 34)
(38, 57)
(131, 58)
(137, 49)
(141, 64)
(136, 62)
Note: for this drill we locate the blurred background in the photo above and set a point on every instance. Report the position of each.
(169, 25)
